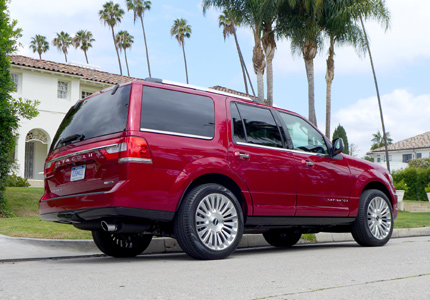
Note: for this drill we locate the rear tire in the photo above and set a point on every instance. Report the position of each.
(374, 223)
(282, 238)
(209, 222)
(121, 244)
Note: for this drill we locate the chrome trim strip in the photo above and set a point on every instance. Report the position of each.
(135, 159)
(177, 134)
(275, 148)
(80, 152)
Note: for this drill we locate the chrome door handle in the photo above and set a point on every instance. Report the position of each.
(241, 155)
(307, 163)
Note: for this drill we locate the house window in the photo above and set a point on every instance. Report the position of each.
(419, 155)
(385, 158)
(406, 157)
(63, 89)
(15, 78)
(85, 94)
(378, 159)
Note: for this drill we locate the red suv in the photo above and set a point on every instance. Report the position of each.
(157, 158)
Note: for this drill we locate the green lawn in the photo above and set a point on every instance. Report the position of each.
(23, 202)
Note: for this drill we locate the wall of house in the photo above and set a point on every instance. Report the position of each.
(396, 161)
(41, 85)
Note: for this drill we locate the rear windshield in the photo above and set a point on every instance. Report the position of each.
(99, 115)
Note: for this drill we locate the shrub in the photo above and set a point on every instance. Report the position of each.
(16, 181)
(401, 185)
(420, 163)
(416, 180)
(427, 189)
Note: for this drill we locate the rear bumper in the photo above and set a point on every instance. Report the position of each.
(83, 215)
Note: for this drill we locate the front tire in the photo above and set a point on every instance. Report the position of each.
(209, 223)
(121, 244)
(374, 223)
(282, 238)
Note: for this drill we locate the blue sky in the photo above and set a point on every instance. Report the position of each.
(401, 55)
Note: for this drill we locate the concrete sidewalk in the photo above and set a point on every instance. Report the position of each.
(18, 249)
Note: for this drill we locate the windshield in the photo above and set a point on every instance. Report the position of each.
(99, 115)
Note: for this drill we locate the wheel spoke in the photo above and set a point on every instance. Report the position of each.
(379, 218)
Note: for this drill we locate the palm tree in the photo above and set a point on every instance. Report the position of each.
(62, 42)
(300, 23)
(83, 39)
(181, 30)
(124, 41)
(39, 44)
(228, 20)
(111, 15)
(138, 7)
(341, 28)
(378, 140)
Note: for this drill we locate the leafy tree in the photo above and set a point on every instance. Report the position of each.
(139, 7)
(181, 30)
(111, 15)
(10, 110)
(63, 41)
(39, 44)
(124, 41)
(83, 39)
(378, 140)
(340, 132)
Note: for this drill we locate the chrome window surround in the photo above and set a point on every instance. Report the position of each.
(177, 134)
(280, 149)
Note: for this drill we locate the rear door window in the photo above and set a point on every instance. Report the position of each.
(259, 124)
(177, 113)
(97, 116)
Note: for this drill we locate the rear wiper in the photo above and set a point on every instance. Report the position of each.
(69, 139)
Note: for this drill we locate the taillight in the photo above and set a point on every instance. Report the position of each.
(112, 152)
(49, 166)
(136, 150)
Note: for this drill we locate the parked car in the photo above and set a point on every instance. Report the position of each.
(157, 158)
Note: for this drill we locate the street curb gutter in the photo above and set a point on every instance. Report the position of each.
(168, 245)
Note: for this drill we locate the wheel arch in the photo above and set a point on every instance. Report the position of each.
(227, 182)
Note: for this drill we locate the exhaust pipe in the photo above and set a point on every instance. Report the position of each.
(118, 227)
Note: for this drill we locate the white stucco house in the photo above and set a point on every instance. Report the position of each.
(57, 86)
(401, 152)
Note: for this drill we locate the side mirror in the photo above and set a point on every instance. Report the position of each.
(338, 146)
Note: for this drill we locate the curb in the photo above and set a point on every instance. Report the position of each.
(81, 248)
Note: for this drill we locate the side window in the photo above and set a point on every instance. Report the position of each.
(260, 126)
(237, 125)
(177, 113)
(303, 135)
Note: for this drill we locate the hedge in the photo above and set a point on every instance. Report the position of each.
(416, 180)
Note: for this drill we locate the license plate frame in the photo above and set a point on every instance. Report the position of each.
(78, 173)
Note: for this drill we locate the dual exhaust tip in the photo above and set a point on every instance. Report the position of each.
(121, 227)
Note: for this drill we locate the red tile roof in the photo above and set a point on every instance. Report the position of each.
(86, 73)
(416, 142)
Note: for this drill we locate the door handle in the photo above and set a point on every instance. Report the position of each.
(241, 155)
(307, 163)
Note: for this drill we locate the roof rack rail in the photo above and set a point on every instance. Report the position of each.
(198, 88)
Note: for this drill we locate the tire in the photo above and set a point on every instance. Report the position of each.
(282, 238)
(374, 223)
(121, 245)
(209, 222)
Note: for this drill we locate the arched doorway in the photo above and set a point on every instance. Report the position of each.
(36, 149)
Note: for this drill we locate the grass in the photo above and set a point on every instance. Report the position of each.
(23, 202)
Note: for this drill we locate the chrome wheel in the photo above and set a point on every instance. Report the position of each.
(216, 221)
(379, 218)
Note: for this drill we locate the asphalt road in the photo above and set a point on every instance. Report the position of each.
(399, 270)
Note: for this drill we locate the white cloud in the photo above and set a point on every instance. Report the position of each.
(405, 115)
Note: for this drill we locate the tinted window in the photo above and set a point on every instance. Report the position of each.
(260, 126)
(303, 135)
(177, 112)
(237, 125)
(96, 116)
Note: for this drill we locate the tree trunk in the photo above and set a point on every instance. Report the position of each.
(40, 55)
(185, 61)
(259, 65)
(86, 57)
(126, 62)
(117, 53)
(269, 46)
(309, 63)
(329, 76)
(269, 59)
(65, 56)
(146, 48)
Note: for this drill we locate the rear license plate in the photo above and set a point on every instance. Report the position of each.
(78, 173)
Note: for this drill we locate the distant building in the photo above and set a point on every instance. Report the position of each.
(401, 152)
(57, 86)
